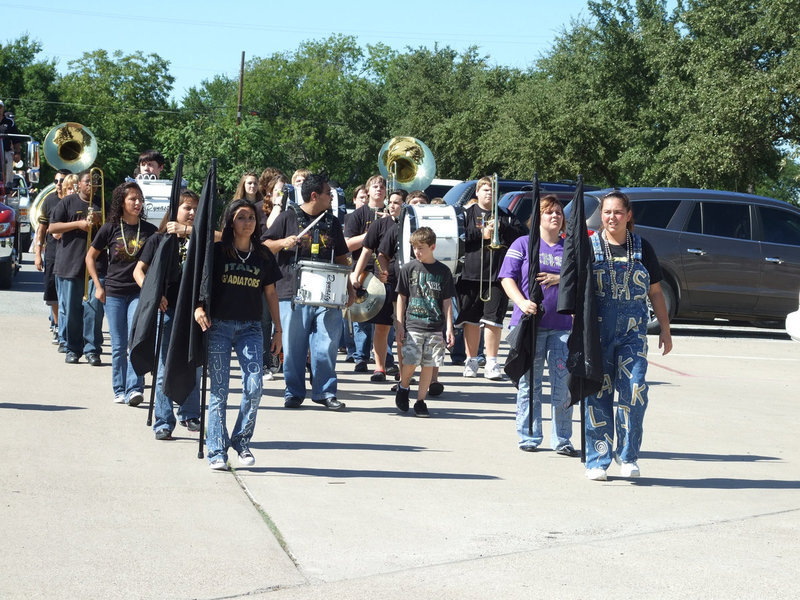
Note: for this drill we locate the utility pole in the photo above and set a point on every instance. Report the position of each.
(241, 87)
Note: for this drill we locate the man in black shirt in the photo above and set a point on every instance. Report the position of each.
(47, 244)
(9, 144)
(73, 219)
(355, 231)
(308, 327)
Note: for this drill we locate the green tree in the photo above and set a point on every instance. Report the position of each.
(123, 99)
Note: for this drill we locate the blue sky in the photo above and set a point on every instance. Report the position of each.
(201, 39)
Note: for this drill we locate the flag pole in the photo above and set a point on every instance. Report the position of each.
(154, 372)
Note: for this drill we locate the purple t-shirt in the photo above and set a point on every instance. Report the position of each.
(515, 266)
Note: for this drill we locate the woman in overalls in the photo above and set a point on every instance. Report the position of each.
(626, 274)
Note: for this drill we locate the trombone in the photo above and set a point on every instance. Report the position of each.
(485, 288)
(96, 173)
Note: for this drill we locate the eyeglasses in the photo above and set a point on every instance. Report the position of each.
(57, 181)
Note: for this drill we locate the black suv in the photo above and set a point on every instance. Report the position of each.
(724, 254)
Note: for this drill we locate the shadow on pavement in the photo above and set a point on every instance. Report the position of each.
(45, 407)
(286, 445)
(717, 483)
(705, 457)
(357, 473)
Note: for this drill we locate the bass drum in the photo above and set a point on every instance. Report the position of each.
(447, 223)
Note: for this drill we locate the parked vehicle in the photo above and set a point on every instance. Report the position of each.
(724, 254)
(793, 323)
(9, 258)
(18, 198)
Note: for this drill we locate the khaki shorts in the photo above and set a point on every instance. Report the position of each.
(423, 348)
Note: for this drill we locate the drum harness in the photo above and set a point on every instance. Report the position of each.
(304, 220)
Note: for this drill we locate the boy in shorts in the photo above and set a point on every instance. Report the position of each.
(424, 289)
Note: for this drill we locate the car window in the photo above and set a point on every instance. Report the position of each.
(780, 226)
(723, 219)
(654, 213)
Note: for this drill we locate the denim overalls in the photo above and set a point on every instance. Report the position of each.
(622, 321)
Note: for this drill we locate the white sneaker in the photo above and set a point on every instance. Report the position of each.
(492, 371)
(471, 367)
(596, 474)
(630, 469)
(219, 464)
(268, 376)
(246, 458)
(119, 398)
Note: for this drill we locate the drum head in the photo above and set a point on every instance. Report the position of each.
(446, 221)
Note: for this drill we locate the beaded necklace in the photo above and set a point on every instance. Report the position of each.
(244, 260)
(125, 242)
(610, 259)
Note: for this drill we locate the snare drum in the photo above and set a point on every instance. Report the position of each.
(321, 284)
(447, 223)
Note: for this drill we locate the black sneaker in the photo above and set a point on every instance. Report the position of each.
(94, 359)
(163, 434)
(378, 376)
(62, 348)
(71, 358)
(435, 389)
(361, 367)
(401, 399)
(421, 409)
(568, 450)
(191, 424)
(392, 369)
(292, 402)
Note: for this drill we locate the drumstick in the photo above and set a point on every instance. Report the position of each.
(307, 229)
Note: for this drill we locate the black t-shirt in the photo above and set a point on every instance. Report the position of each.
(474, 244)
(358, 222)
(124, 244)
(326, 237)
(45, 214)
(148, 255)
(376, 233)
(649, 259)
(7, 126)
(72, 254)
(238, 283)
(426, 287)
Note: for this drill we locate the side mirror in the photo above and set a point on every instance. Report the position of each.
(33, 162)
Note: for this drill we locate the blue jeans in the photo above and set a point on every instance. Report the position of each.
(62, 311)
(622, 320)
(346, 340)
(245, 337)
(551, 345)
(165, 418)
(119, 312)
(83, 321)
(362, 336)
(316, 328)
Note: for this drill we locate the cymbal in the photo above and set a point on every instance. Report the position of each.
(369, 300)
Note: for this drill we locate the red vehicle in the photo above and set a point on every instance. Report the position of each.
(9, 260)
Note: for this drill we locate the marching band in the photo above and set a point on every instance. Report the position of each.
(288, 280)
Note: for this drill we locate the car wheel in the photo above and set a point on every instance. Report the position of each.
(669, 298)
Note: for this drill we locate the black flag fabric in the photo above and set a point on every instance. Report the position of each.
(576, 297)
(160, 273)
(187, 349)
(522, 340)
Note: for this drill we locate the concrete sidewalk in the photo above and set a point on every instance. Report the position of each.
(367, 503)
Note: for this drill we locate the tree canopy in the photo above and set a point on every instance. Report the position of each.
(704, 95)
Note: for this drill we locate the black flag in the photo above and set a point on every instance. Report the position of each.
(576, 297)
(160, 273)
(187, 349)
(522, 340)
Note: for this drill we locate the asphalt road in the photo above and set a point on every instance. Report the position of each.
(367, 503)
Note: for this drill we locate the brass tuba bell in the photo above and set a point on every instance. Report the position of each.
(406, 163)
(70, 146)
